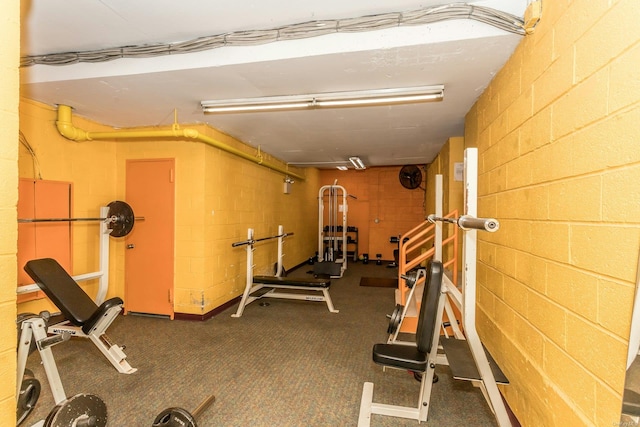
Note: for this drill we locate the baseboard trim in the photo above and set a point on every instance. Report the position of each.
(208, 315)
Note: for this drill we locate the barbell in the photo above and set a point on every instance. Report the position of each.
(468, 222)
(252, 241)
(119, 219)
(179, 417)
(88, 410)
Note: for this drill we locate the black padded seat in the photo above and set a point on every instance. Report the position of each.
(415, 358)
(288, 281)
(400, 356)
(66, 294)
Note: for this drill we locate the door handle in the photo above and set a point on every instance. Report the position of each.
(131, 246)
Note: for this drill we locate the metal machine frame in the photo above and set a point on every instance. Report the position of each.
(332, 237)
(466, 301)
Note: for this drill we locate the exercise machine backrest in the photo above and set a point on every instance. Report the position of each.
(429, 307)
(66, 294)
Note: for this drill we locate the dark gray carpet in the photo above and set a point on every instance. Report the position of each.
(291, 363)
(379, 282)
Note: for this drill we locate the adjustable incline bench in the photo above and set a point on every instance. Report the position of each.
(466, 356)
(83, 318)
(418, 359)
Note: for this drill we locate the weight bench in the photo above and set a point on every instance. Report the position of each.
(274, 282)
(418, 359)
(82, 317)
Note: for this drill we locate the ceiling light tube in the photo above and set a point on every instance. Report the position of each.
(378, 101)
(357, 163)
(246, 108)
(327, 100)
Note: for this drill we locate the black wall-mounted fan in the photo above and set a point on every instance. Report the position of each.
(410, 177)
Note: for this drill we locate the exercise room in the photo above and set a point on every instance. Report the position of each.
(320, 214)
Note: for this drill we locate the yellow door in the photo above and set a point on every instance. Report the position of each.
(149, 259)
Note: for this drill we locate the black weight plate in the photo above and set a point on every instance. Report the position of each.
(174, 417)
(29, 394)
(395, 319)
(124, 218)
(76, 409)
(410, 279)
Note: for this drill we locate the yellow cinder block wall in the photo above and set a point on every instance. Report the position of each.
(90, 167)
(9, 83)
(557, 132)
(444, 164)
(218, 197)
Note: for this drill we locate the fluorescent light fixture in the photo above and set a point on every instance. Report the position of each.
(326, 100)
(342, 168)
(357, 163)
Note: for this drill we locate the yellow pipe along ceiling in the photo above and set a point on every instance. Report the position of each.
(68, 130)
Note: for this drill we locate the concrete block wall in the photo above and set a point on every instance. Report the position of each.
(218, 196)
(383, 208)
(444, 164)
(557, 132)
(91, 169)
(9, 120)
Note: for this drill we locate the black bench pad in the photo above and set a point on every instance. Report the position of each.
(288, 281)
(400, 356)
(66, 294)
(62, 290)
(462, 364)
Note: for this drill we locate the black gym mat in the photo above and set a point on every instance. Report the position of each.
(379, 282)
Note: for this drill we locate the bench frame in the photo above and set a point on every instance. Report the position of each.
(431, 317)
(476, 356)
(33, 331)
(79, 311)
(257, 283)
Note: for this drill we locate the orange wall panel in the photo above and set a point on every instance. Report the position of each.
(383, 208)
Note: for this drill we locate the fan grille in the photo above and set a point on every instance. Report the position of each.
(410, 176)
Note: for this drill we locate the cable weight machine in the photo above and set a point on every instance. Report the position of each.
(332, 235)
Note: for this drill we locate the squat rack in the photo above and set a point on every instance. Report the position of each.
(116, 220)
(471, 224)
(465, 353)
(103, 264)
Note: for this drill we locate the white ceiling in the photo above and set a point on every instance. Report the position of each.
(462, 54)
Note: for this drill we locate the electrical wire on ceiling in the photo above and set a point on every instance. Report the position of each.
(496, 18)
(34, 158)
